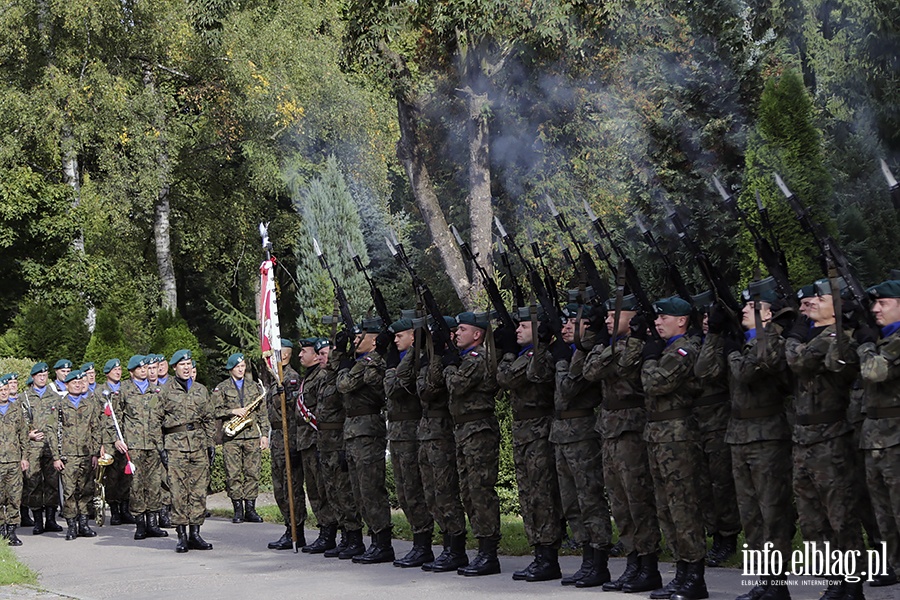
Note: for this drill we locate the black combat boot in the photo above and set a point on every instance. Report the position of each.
(50, 523)
(26, 520)
(38, 521)
(381, 550)
(251, 516)
(12, 537)
(428, 566)
(694, 586)
(835, 590)
(84, 530)
(727, 548)
(195, 542)
(879, 580)
(115, 513)
(153, 530)
(420, 553)
(140, 530)
(485, 562)
(340, 547)
(522, 574)
(454, 557)
(617, 550)
(285, 542)
(853, 590)
(355, 546)
(547, 567)
(647, 578)
(599, 572)
(71, 529)
(712, 556)
(165, 519)
(182, 545)
(127, 517)
(673, 586)
(776, 589)
(632, 568)
(324, 542)
(587, 563)
(238, 511)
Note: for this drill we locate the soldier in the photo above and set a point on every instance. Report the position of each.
(333, 468)
(395, 346)
(824, 363)
(360, 381)
(241, 453)
(73, 425)
(526, 369)
(152, 370)
(14, 451)
(667, 376)
(307, 434)
(187, 426)
(41, 491)
(25, 514)
(61, 368)
(290, 385)
(90, 376)
(616, 361)
(162, 369)
(472, 386)
(118, 483)
(139, 416)
(879, 355)
(437, 460)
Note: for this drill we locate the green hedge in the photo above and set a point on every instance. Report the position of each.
(217, 477)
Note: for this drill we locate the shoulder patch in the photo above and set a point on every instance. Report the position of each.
(530, 353)
(682, 352)
(473, 353)
(216, 389)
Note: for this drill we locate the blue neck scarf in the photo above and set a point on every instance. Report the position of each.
(92, 387)
(238, 383)
(60, 386)
(467, 350)
(39, 391)
(526, 349)
(142, 384)
(114, 386)
(13, 398)
(361, 356)
(750, 334)
(162, 381)
(75, 400)
(404, 353)
(672, 339)
(889, 330)
(4, 408)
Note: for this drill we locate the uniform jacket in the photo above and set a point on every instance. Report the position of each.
(622, 409)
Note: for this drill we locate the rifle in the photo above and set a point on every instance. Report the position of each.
(588, 268)
(422, 291)
(892, 184)
(537, 285)
(344, 305)
(831, 251)
(518, 294)
(671, 270)
(377, 297)
(549, 282)
(490, 285)
(764, 250)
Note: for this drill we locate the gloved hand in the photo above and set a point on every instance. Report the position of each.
(211, 453)
(866, 333)
(505, 340)
(799, 330)
(439, 341)
(346, 363)
(384, 339)
(451, 358)
(279, 389)
(653, 349)
(639, 327)
(544, 333)
(342, 341)
(560, 351)
(730, 344)
(784, 316)
(164, 458)
(392, 358)
(600, 332)
(718, 319)
(296, 458)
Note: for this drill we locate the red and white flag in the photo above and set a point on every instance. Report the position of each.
(269, 330)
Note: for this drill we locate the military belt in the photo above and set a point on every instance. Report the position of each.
(413, 415)
(531, 413)
(711, 399)
(575, 413)
(179, 428)
(883, 412)
(822, 418)
(757, 413)
(623, 403)
(475, 416)
(437, 414)
(361, 412)
(668, 415)
(331, 426)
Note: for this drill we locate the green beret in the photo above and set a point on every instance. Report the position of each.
(629, 302)
(408, 313)
(13, 376)
(63, 364)
(308, 342)
(151, 359)
(321, 343)
(885, 289)
(138, 360)
(807, 291)
(769, 296)
(286, 343)
(451, 322)
(703, 300)
(401, 325)
(40, 367)
(672, 306)
(579, 297)
(180, 355)
(74, 374)
(193, 363)
(570, 311)
(30, 380)
(470, 318)
(161, 357)
(87, 366)
(234, 360)
(373, 325)
(822, 287)
(4, 379)
(111, 364)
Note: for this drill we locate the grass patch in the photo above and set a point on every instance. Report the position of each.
(12, 571)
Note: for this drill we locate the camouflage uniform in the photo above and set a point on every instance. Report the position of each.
(823, 454)
(188, 427)
(621, 424)
(362, 387)
(529, 376)
(291, 382)
(855, 417)
(42, 482)
(472, 387)
(76, 434)
(241, 454)
(307, 439)
(437, 449)
(139, 416)
(404, 414)
(673, 446)
(14, 448)
(880, 368)
(116, 483)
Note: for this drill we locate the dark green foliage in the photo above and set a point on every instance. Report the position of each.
(172, 334)
(107, 341)
(48, 332)
(217, 473)
(507, 489)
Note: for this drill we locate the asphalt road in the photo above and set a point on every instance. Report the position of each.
(114, 566)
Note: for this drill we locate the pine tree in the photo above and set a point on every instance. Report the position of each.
(107, 341)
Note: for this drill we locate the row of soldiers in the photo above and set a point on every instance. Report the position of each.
(672, 430)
